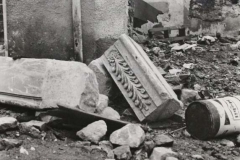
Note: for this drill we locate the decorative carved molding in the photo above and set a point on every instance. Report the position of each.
(128, 79)
(146, 91)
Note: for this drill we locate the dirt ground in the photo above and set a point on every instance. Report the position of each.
(62, 144)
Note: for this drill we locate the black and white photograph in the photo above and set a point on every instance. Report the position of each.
(119, 79)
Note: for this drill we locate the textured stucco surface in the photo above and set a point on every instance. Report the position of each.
(43, 28)
(103, 22)
(40, 28)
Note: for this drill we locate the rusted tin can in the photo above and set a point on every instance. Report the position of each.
(213, 118)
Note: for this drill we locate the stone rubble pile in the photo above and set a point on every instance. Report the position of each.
(119, 145)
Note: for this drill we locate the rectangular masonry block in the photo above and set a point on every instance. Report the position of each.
(143, 86)
(44, 83)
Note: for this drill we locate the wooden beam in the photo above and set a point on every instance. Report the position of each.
(4, 4)
(77, 29)
(166, 28)
(175, 39)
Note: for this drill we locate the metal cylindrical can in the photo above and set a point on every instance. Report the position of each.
(212, 118)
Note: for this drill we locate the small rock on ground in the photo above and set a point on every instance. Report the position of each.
(122, 153)
(97, 151)
(189, 96)
(186, 133)
(110, 113)
(171, 158)
(37, 124)
(238, 140)
(131, 135)
(163, 140)
(160, 153)
(227, 143)
(149, 146)
(93, 132)
(220, 156)
(198, 157)
(102, 103)
(23, 151)
(7, 123)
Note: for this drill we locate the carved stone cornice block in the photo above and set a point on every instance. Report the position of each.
(143, 86)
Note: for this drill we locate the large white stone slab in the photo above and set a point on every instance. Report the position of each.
(44, 83)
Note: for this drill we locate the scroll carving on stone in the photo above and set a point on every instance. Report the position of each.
(146, 91)
(130, 82)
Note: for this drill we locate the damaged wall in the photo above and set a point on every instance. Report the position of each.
(172, 13)
(43, 28)
(201, 16)
(211, 16)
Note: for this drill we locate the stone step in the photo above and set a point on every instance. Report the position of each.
(143, 86)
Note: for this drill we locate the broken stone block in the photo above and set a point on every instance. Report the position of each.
(161, 153)
(131, 135)
(7, 123)
(110, 113)
(122, 153)
(103, 78)
(44, 83)
(93, 132)
(143, 86)
(102, 103)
